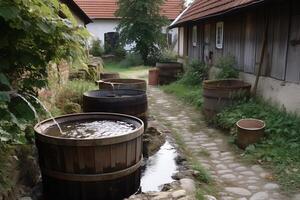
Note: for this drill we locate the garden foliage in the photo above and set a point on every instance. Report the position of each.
(33, 33)
(227, 66)
(96, 48)
(196, 73)
(281, 147)
(141, 24)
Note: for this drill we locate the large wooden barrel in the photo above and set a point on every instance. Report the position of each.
(130, 102)
(127, 84)
(169, 72)
(89, 169)
(109, 75)
(153, 77)
(218, 94)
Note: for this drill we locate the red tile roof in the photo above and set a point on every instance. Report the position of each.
(105, 9)
(206, 8)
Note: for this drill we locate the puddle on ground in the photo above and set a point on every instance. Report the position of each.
(159, 168)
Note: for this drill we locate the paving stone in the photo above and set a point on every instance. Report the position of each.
(179, 193)
(209, 145)
(221, 166)
(296, 197)
(252, 187)
(238, 191)
(257, 168)
(260, 196)
(161, 195)
(234, 165)
(209, 197)
(248, 173)
(227, 158)
(228, 176)
(225, 171)
(264, 174)
(240, 169)
(271, 186)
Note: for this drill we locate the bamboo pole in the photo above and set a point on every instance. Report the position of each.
(262, 55)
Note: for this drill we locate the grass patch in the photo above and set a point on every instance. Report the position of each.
(281, 148)
(127, 72)
(189, 94)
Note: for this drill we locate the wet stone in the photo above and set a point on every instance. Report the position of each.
(233, 165)
(179, 193)
(221, 166)
(248, 173)
(240, 169)
(226, 171)
(252, 187)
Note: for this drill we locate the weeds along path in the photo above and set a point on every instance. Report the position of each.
(210, 147)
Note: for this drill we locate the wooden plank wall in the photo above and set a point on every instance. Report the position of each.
(243, 36)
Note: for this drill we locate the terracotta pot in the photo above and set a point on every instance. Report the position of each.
(153, 77)
(249, 131)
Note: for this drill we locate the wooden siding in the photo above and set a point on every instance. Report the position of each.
(243, 36)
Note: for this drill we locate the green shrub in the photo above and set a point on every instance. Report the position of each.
(227, 66)
(132, 60)
(70, 108)
(168, 56)
(195, 73)
(96, 48)
(71, 94)
(281, 148)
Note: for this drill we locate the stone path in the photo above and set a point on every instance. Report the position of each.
(237, 180)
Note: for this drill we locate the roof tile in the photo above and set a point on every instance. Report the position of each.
(105, 9)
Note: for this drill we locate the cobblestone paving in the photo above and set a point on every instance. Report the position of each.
(237, 180)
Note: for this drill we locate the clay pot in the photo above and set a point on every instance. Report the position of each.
(249, 131)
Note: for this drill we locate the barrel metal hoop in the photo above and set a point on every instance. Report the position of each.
(92, 177)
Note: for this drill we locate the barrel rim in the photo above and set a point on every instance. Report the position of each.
(88, 142)
(263, 124)
(209, 84)
(141, 94)
(115, 81)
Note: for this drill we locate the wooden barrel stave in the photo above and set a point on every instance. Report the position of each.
(70, 171)
(125, 84)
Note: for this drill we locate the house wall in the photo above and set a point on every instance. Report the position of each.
(99, 27)
(243, 38)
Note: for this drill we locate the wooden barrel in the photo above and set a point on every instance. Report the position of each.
(90, 169)
(169, 72)
(218, 94)
(127, 84)
(129, 102)
(109, 75)
(153, 77)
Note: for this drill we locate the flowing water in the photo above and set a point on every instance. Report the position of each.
(92, 129)
(159, 169)
(47, 111)
(30, 106)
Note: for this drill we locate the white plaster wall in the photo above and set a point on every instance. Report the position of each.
(277, 92)
(99, 27)
(174, 33)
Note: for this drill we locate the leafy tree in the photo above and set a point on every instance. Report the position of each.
(141, 24)
(96, 48)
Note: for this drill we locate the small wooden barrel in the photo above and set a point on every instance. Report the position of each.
(217, 94)
(249, 131)
(153, 77)
(89, 169)
(127, 84)
(109, 75)
(169, 72)
(129, 102)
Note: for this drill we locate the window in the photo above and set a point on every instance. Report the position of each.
(194, 36)
(219, 35)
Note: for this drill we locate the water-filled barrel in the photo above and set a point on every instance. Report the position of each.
(89, 169)
(127, 84)
(129, 102)
(169, 72)
(218, 94)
